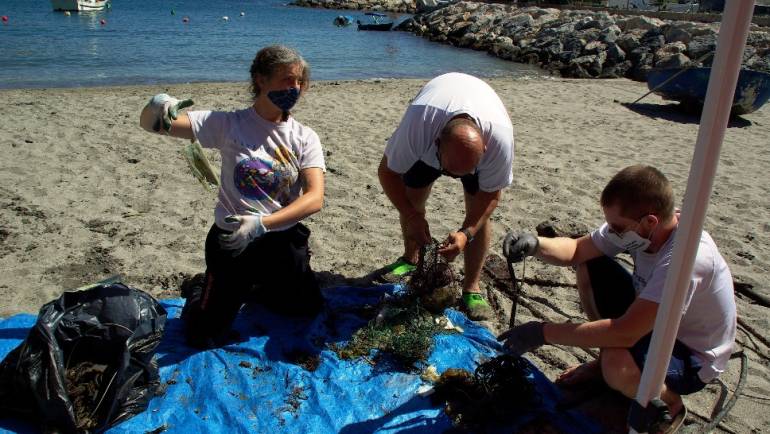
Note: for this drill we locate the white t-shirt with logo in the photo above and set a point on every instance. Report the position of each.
(261, 160)
(441, 99)
(708, 314)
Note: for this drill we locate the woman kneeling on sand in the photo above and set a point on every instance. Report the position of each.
(272, 177)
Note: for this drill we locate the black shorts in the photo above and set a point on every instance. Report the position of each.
(421, 175)
(613, 294)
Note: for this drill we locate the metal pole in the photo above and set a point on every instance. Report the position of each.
(716, 111)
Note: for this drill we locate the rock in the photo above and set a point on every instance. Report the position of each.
(426, 5)
(504, 48)
(523, 20)
(758, 63)
(574, 43)
(628, 42)
(641, 61)
(672, 48)
(594, 47)
(552, 51)
(591, 64)
(469, 39)
(615, 54)
(639, 22)
(618, 70)
(610, 34)
(408, 25)
(653, 39)
(677, 60)
(701, 45)
(674, 33)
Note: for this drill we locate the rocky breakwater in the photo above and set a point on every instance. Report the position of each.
(580, 44)
(399, 6)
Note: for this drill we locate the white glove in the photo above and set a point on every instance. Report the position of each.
(164, 109)
(250, 228)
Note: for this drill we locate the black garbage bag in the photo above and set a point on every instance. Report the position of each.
(87, 364)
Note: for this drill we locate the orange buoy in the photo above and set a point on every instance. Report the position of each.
(5, 18)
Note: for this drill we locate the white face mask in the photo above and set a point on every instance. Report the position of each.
(629, 241)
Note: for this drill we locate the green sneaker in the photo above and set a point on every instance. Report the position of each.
(397, 271)
(476, 307)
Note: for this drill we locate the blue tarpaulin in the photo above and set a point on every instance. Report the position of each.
(265, 383)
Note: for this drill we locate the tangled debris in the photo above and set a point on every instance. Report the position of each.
(404, 326)
(87, 384)
(498, 389)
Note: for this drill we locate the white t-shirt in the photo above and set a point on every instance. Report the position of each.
(441, 99)
(261, 160)
(708, 314)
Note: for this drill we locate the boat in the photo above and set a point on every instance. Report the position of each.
(377, 21)
(689, 85)
(80, 5)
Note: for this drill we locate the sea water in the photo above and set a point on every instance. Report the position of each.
(179, 41)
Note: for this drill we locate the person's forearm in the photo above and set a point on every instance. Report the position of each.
(305, 205)
(482, 205)
(556, 251)
(395, 189)
(603, 333)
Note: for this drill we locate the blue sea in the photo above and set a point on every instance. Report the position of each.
(149, 42)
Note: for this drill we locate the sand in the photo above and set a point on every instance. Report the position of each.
(85, 194)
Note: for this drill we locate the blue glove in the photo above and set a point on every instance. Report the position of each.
(250, 228)
(518, 245)
(523, 338)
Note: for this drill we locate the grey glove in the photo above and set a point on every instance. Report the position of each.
(523, 339)
(165, 109)
(518, 245)
(250, 228)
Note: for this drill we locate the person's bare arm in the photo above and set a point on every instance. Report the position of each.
(622, 332)
(309, 203)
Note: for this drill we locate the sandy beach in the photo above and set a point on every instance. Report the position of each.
(85, 193)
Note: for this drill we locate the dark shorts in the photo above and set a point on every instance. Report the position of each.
(421, 175)
(613, 294)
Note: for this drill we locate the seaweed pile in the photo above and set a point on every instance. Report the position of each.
(496, 391)
(404, 325)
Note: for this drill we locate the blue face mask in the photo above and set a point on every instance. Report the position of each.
(284, 99)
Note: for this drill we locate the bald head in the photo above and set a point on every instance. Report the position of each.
(460, 146)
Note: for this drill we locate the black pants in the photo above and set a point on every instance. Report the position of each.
(274, 270)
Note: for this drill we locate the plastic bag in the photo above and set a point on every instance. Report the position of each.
(87, 364)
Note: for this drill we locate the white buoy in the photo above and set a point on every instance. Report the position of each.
(67, 13)
(243, 13)
(226, 18)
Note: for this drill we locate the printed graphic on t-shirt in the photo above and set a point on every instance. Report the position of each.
(266, 178)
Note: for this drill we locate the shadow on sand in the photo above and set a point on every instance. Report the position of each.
(679, 113)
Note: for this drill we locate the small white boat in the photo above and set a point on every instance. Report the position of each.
(80, 5)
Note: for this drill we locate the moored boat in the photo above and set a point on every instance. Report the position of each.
(80, 5)
(377, 21)
(689, 85)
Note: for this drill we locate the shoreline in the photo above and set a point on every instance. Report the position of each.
(86, 193)
(575, 43)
